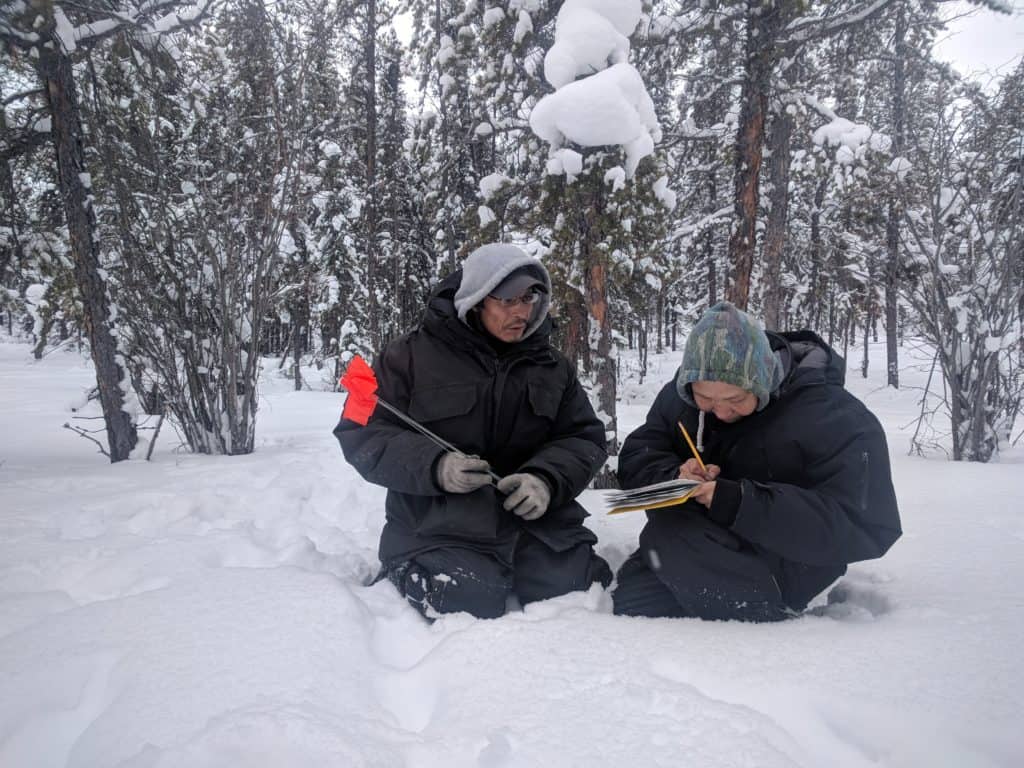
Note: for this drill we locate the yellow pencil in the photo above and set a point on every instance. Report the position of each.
(693, 448)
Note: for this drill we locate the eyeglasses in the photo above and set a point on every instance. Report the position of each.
(531, 297)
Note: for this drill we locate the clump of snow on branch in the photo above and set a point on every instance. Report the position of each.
(852, 140)
(611, 107)
(524, 26)
(489, 185)
(493, 16)
(446, 50)
(486, 215)
(589, 35)
(616, 177)
(64, 30)
(900, 166)
(330, 148)
(565, 161)
(610, 104)
(665, 195)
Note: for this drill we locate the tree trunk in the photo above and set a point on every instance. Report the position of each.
(867, 338)
(602, 361)
(57, 73)
(296, 353)
(775, 231)
(641, 345)
(817, 257)
(762, 28)
(574, 338)
(709, 241)
(370, 210)
(895, 213)
(848, 329)
(660, 328)
(8, 218)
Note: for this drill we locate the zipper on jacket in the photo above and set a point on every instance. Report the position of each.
(865, 478)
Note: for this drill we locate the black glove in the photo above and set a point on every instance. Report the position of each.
(529, 496)
(462, 474)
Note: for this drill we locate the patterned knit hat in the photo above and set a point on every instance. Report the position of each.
(728, 345)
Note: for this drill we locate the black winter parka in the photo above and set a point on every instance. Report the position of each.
(815, 491)
(519, 406)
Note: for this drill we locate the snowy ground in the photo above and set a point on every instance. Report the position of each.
(196, 611)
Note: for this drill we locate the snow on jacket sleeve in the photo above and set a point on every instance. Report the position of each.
(845, 510)
(651, 452)
(576, 450)
(385, 451)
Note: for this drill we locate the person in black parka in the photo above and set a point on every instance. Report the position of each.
(795, 484)
(480, 372)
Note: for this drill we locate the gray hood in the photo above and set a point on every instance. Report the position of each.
(486, 267)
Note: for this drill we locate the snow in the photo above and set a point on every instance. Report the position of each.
(851, 139)
(900, 166)
(610, 104)
(569, 161)
(199, 611)
(330, 148)
(610, 107)
(486, 215)
(491, 184)
(665, 195)
(493, 17)
(624, 15)
(64, 30)
(446, 50)
(993, 343)
(524, 26)
(616, 177)
(585, 42)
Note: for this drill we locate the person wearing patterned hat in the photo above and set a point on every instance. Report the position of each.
(467, 530)
(794, 478)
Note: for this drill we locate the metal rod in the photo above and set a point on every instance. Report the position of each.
(427, 433)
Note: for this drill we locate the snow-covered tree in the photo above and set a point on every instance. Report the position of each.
(965, 248)
(55, 37)
(603, 196)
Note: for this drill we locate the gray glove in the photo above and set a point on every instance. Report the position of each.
(457, 473)
(529, 496)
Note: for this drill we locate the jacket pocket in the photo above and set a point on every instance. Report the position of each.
(544, 401)
(437, 403)
(474, 516)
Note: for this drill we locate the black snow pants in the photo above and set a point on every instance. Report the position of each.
(687, 566)
(452, 579)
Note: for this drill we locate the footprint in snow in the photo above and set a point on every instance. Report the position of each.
(855, 600)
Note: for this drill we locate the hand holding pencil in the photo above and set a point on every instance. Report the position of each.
(691, 470)
(696, 469)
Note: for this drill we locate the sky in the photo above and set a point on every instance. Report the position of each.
(983, 40)
(978, 40)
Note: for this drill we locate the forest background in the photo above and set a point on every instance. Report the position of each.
(186, 188)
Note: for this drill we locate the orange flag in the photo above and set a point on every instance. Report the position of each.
(360, 382)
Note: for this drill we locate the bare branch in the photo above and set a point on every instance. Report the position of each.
(23, 95)
(21, 143)
(84, 433)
